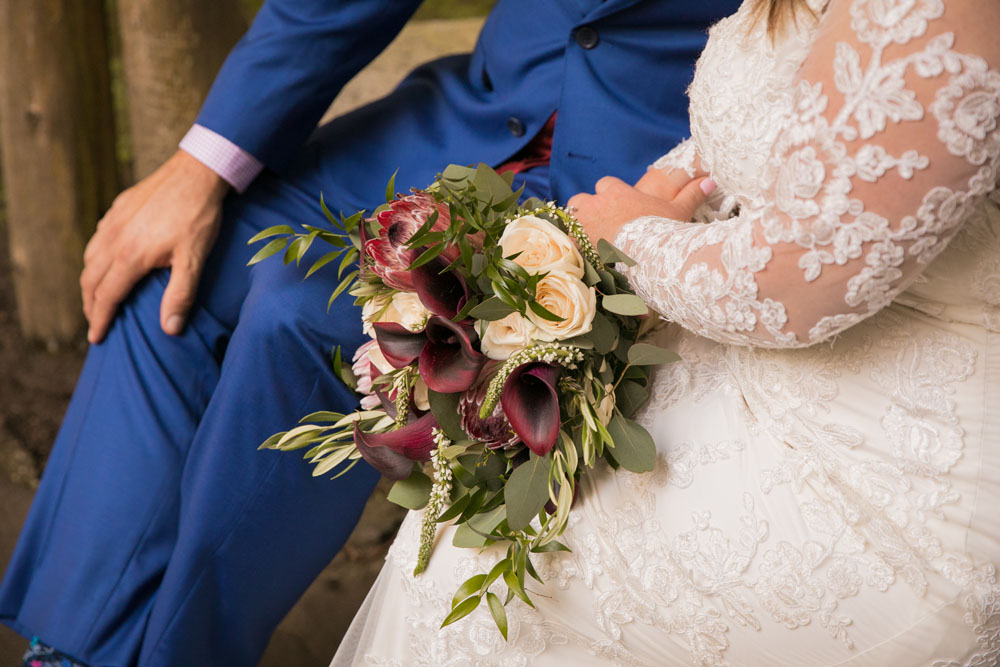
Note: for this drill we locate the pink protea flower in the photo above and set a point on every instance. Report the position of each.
(368, 365)
(399, 222)
(494, 431)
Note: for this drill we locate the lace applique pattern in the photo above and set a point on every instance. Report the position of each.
(816, 217)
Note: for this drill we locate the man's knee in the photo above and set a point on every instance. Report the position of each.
(284, 308)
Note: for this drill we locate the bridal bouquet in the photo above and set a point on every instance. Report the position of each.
(502, 365)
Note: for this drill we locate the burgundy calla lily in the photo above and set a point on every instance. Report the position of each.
(393, 453)
(444, 293)
(493, 431)
(531, 403)
(448, 362)
(399, 345)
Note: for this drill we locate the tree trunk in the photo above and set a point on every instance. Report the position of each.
(171, 51)
(57, 139)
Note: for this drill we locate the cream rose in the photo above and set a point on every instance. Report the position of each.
(569, 298)
(502, 338)
(543, 247)
(405, 309)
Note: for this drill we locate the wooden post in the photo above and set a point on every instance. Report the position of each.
(57, 139)
(171, 51)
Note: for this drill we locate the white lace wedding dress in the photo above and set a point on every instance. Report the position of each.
(828, 484)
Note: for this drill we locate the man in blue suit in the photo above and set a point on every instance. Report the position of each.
(159, 534)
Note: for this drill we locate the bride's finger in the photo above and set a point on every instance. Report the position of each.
(691, 196)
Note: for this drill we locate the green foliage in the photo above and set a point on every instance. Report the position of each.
(412, 492)
(634, 448)
(644, 354)
(493, 496)
(624, 304)
(527, 491)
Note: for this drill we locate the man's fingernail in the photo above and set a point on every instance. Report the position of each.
(707, 186)
(174, 324)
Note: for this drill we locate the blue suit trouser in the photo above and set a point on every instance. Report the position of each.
(160, 535)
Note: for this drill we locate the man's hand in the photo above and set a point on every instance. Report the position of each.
(169, 219)
(673, 195)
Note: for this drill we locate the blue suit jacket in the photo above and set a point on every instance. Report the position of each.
(621, 102)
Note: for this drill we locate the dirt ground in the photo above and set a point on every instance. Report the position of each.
(36, 384)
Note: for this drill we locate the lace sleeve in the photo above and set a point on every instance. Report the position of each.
(684, 156)
(892, 141)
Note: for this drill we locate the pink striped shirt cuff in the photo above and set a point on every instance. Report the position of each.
(232, 163)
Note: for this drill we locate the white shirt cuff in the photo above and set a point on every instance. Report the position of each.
(229, 161)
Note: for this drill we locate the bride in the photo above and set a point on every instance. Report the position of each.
(829, 447)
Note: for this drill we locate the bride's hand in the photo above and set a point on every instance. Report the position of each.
(673, 195)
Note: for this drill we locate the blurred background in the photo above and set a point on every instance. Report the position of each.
(94, 94)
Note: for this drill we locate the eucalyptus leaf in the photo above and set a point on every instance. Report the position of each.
(612, 255)
(644, 354)
(634, 448)
(603, 334)
(445, 409)
(625, 304)
(491, 309)
(607, 284)
(490, 186)
(412, 492)
(527, 491)
(457, 173)
(466, 538)
(489, 466)
(630, 396)
(486, 522)
(590, 275)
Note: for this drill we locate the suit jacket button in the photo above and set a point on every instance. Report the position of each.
(587, 37)
(515, 126)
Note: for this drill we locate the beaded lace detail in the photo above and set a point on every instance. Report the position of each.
(908, 107)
